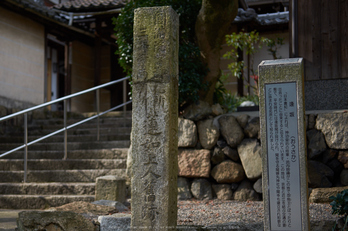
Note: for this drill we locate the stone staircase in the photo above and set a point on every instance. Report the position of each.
(52, 181)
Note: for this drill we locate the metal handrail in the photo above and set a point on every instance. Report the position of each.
(65, 128)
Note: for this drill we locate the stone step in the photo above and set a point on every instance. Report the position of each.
(112, 153)
(39, 201)
(71, 138)
(59, 175)
(79, 131)
(54, 164)
(71, 145)
(115, 124)
(57, 121)
(72, 131)
(55, 188)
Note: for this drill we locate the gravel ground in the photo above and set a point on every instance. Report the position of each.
(209, 213)
(212, 212)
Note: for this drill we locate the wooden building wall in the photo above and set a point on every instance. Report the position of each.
(322, 38)
(22, 58)
(82, 77)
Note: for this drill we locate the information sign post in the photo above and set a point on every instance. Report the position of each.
(283, 142)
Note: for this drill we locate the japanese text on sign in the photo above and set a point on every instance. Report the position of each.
(283, 153)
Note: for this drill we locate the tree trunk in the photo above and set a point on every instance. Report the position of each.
(213, 23)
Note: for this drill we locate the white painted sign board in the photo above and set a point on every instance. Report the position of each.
(283, 156)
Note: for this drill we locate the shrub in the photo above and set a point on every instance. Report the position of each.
(340, 206)
(191, 68)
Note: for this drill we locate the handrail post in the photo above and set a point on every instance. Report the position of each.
(98, 109)
(26, 147)
(65, 131)
(124, 97)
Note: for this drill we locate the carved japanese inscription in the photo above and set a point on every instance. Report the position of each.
(154, 128)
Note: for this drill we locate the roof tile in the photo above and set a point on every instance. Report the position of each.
(90, 5)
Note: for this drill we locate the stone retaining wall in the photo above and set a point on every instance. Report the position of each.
(220, 154)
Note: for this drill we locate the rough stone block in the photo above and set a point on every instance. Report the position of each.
(201, 189)
(231, 131)
(187, 133)
(250, 155)
(184, 192)
(53, 220)
(208, 133)
(110, 188)
(117, 221)
(194, 163)
(334, 126)
(228, 172)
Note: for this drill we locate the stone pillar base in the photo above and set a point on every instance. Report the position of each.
(110, 188)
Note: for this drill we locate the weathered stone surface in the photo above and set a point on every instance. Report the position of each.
(322, 195)
(344, 177)
(319, 175)
(223, 191)
(311, 121)
(110, 188)
(336, 167)
(231, 153)
(243, 120)
(201, 189)
(197, 111)
(234, 186)
(245, 192)
(228, 172)
(184, 192)
(231, 131)
(328, 155)
(218, 156)
(187, 133)
(343, 158)
(334, 126)
(194, 163)
(208, 133)
(155, 118)
(316, 143)
(250, 155)
(116, 204)
(221, 143)
(129, 162)
(52, 220)
(217, 110)
(117, 221)
(258, 186)
(252, 129)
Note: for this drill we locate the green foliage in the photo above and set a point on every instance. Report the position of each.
(273, 45)
(340, 206)
(191, 68)
(230, 102)
(242, 41)
(340, 203)
(250, 43)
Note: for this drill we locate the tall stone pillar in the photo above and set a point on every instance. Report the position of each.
(155, 119)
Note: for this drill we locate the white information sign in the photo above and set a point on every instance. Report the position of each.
(283, 156)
